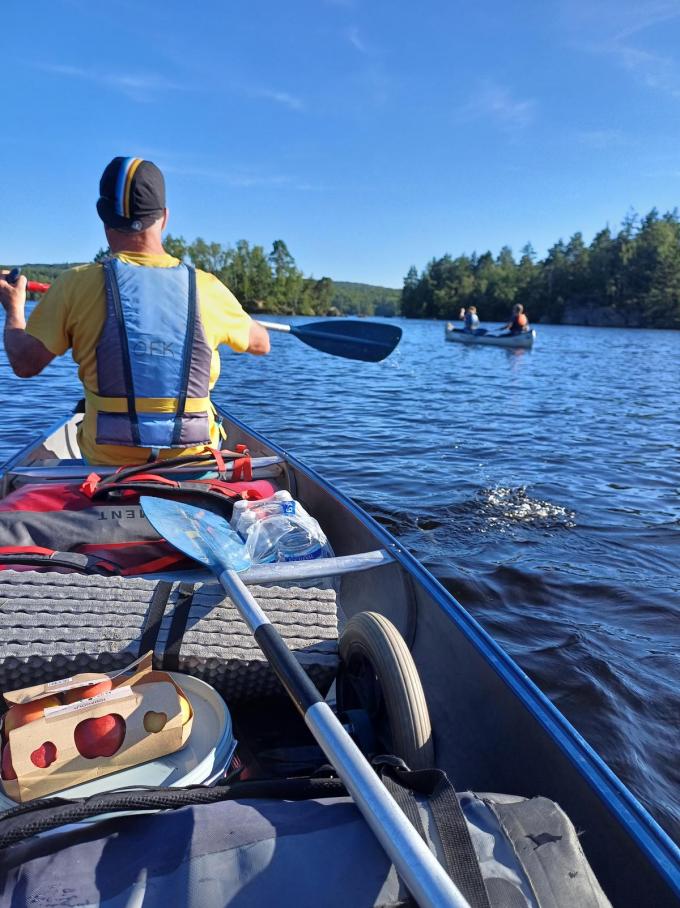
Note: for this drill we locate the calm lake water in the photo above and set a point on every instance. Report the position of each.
(542, 487)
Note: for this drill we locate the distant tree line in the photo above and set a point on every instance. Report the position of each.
(366, 299)
(265, 282)
(261, 281)
(629, 277)
(632, 276)
(272, 282)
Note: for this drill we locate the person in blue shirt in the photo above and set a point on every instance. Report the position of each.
(471, 319)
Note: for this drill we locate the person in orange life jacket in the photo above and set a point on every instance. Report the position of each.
(519, 322)
(143, 327)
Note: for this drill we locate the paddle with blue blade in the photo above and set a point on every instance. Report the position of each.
(209, 540)
(350, 338)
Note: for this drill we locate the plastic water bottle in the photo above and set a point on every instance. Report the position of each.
(247, 513)
(286, 537)
(303, 543)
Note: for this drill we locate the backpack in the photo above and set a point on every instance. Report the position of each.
(289, 842)
(98, 526)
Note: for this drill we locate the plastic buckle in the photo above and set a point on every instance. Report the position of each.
(389, 761)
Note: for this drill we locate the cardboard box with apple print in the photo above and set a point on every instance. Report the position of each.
(64, 733)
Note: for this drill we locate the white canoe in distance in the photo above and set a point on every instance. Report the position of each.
(525, 340)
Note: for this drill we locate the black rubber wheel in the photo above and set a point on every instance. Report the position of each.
(377, 674)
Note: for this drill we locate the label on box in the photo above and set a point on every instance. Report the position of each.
(120, 693)
(137, 668)
(69, 684)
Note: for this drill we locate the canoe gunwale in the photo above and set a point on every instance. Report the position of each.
(20, 456)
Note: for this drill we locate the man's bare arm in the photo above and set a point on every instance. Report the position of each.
(258, 339)
(26, 354)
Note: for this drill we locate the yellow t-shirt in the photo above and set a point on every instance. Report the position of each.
(72, 314)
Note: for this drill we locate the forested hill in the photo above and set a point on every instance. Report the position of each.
(365, 299)
(266, 281)
(45, 273)
(345, 297)
(260, 293)
(627, 278)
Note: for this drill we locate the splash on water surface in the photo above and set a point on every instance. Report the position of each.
(502, 505)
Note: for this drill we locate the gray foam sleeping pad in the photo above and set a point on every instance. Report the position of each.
(54, 625)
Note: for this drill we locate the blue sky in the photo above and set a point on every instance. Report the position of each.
(368, 134)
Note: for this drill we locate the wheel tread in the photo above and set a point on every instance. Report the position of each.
(381, 642)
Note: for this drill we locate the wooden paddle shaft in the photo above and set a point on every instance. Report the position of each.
(424, 876)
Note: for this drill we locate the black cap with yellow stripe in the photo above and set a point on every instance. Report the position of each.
(131, 194)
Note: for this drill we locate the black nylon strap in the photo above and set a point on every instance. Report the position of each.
(186, 358)
(73, 561)
(152, 621)
(43, 814)
(460, 858)
(202, 462)
(114, 292)
(178, 626)
(459, 853)
(195, 492)
(407, 802)
(409, 806)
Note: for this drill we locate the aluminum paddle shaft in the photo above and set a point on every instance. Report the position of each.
(424, 876)
(207, 538)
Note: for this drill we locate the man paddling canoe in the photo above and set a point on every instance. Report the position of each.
(143, 328)
(519, 323)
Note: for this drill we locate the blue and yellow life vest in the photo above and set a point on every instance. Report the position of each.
(153, 360)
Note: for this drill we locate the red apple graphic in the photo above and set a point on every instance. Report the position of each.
(100, 737)
(7, 768)
(44, 755)
(92, 690)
